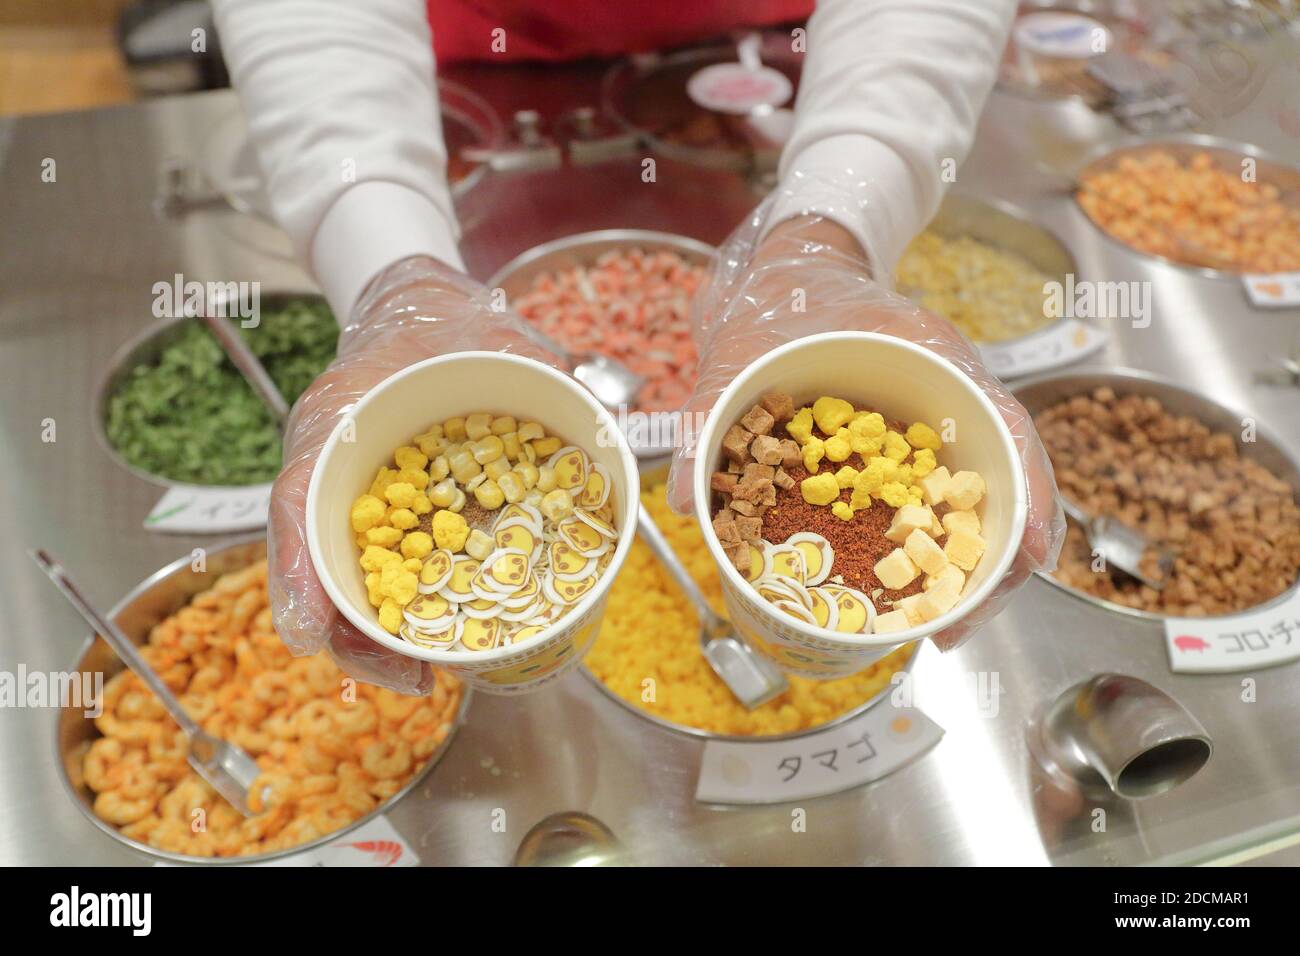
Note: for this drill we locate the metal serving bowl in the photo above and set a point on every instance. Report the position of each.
(163, 593)
(583, 249)
(1010, 229)
(144, 349)
(1227, 155)
(650, 476)
(1040, 392)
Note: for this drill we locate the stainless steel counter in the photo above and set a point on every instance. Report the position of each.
(80, 256)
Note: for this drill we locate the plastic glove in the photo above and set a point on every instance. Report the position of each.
(414, 310)
(748, 309)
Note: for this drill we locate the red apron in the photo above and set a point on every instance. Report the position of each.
(463, 30)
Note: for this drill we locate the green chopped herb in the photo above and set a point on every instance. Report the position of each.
(190, 416)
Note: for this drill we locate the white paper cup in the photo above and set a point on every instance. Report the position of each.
(903, 382)
(404, 405)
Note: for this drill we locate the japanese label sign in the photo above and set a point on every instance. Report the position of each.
(847, 755)
(195, 508)
(1064, 342)
(1206, 645)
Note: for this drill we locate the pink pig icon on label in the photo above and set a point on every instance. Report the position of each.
(1188, 642)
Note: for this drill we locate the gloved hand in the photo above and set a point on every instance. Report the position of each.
(748, 309)
(414, 310)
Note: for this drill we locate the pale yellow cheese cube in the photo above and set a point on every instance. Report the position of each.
(890, 622)
(961, 521)
(950, 570)
(964, 549)
(896, 570)
(934, 486)
(909, 607)
(939, 600)
(925, 554)
(906, 520)
(964, 491)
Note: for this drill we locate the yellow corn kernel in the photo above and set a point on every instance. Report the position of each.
(479, 545)
(457, 503)
(530, 432)
(921, 435)
(800, 427)
(503, 425)
(831, 413)
(454, 429)
(417, 545)
(449, 530)
(819, 489)
(496, 468)
(385, 537)
(400, 494)
(410, 457)
(443, 493)
(488, 448)
(478, 425)
(430, 443)
(545, 479)
(557, 505)
(367, 511)
(463, 466)
(514, 450)
(528, 473)
(489, 495)
(546, 447)
(439, 469)
(512, 486)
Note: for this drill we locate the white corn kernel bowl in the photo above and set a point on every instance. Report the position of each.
(404, 405)
(903, 382)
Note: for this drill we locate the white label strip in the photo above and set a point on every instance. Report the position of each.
(204, 510)
(858, 751)
(1219, 645)
(377, 843)
(1276, 291)
(1065, 342)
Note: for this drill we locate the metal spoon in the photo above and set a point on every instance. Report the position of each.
(227, 767)
(751, 677)
(613, 383)
(237, 350)
(1120, 545)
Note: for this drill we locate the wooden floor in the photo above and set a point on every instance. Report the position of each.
(60, 55)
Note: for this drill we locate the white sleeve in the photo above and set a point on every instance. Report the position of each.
(890, 90)
(342, 107)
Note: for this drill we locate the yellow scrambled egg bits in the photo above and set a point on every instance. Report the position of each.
(651, 634)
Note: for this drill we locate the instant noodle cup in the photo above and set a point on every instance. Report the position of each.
(904, 382)
(405, 404)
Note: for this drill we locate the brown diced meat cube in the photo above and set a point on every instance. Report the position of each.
(724, 526)
(734, 467)
(723, 482)
(739, 555)
(769, 496)
(754, 489)
(749, 529)
(783, 480)
(757, 420)
(746, 508)
(735, 444)
(791, 455)
(766, 450)
(756, 470)
(779, 405)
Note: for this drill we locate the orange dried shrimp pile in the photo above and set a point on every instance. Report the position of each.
(331, 749)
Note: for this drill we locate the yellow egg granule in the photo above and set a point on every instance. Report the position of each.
(651, 634)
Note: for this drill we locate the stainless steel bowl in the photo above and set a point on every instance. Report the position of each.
(651, 475)
(1040, 392)
(1227, 155)
(164, 592)
(144, 349)
(583, 249)
(1011, 229)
